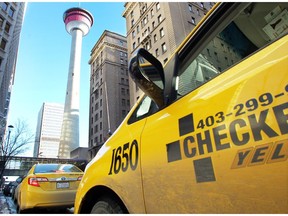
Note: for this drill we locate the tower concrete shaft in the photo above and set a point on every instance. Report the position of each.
(78, 22)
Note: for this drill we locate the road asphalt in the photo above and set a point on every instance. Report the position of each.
(4, 207)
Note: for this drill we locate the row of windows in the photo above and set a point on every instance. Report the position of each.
(145, 20)
(97, 116)
(192, 10)
(145, 33)
(99, 60)
(96, 106)
(97, 93)
(7, 25)
(125, 102)
(96, 129)
(123, 81)
(10, 10)
(96, 140)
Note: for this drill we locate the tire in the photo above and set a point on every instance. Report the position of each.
(107, 206)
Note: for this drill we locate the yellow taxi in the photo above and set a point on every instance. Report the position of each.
(48, 185)
(210, 135)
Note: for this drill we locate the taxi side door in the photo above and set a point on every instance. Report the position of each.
(218, 146)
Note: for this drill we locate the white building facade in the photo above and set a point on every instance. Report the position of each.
(48, 130)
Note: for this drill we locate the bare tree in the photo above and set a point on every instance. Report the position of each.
(15, 144)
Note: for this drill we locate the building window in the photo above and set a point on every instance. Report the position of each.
(216, 56)
(148, 45)
(132, 22)
(202, 5)
(123, 102)
(3, 44)
(138, 29)
(1, 22)
(1, 60)
(123, 113)
(152, 12)
(134, 46)
(198, 12)
(190, 8)
(159, 18)
(158, 6)
(157, 52)
(153, 24)
(155, 38)
(145, 21)
(162, 32)
(7, 27)
(193, 20)
(4, 6)
(11, 12)
(133, 34)
(164, 48)
(131, 14)
(208, 51)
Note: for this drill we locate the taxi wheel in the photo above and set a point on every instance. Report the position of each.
(107, 206)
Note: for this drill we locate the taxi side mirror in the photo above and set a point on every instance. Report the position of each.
(148, 74)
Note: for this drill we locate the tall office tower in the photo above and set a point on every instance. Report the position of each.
(78, 23)
(48, 130)
(11, 18)
(109, 88)
(160, 28)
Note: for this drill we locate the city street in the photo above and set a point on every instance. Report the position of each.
(7, 206)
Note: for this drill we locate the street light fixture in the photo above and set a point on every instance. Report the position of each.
(10, 127)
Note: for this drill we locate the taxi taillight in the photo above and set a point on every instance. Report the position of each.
(33, 181)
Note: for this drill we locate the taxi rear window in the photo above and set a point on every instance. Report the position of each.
(54, 168)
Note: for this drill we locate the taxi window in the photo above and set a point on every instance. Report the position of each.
(53, 168)
(252, 29)
(144, 109)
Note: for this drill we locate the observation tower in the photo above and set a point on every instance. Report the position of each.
(78, 23)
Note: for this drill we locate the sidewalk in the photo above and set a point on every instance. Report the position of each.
(4, 207)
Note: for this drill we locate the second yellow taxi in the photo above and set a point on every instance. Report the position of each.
(48, 185)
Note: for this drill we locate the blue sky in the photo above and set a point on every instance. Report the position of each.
(43, 58)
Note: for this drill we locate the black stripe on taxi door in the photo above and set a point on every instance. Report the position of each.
(173, 151)
(204, 171)
(186, 125)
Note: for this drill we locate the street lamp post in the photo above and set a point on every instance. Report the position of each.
(10, 127)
